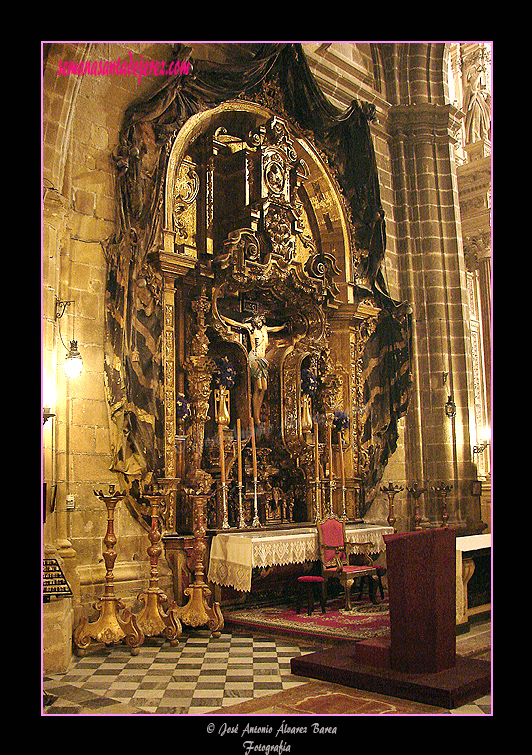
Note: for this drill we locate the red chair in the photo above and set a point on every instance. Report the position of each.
(334, 557)
(309, 582)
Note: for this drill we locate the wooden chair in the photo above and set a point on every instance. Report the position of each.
(334, 557)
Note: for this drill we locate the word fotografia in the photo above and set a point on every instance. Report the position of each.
(278, 749)
(125, 67)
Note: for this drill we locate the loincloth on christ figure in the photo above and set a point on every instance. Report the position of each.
(258, 367)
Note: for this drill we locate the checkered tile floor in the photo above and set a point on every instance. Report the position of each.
(199, 675)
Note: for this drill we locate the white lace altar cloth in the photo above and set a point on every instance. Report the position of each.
(234, 555)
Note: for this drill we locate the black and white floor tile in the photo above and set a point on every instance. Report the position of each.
(199, 675)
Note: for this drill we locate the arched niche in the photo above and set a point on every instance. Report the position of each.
(254, 219)
(324, 205)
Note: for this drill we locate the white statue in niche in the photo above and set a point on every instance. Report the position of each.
(477, 103)
(258, 361)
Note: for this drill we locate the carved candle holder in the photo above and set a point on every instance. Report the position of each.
(391, 491)
(169, 487)
(222, 406)
(317, 507)
(306, 412)
(240, 486)
(256, 520)
(443, 491)
(241, 520)
(331, 484)
(115, 622)
(342, 473)
(197, 611)
(225, 521)
(316, 481)
(416, 493)
(159, 615)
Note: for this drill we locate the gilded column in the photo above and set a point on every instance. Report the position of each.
(169, 341)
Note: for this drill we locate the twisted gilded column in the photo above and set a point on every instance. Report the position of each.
(199, 370)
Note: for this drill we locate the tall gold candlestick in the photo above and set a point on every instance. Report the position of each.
(329, 441)
(316, 474)
(222, 452)
(115, 622)
(225, 522)
(159, 614)
(316, 453)
(256, 522)
(241, 521)
(239, 450)
(253, 448)
(342, 473)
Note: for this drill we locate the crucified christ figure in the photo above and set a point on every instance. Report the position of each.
(258, 363)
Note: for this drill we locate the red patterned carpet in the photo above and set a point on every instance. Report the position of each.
(363, 621)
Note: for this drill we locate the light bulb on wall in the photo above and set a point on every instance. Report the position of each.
(73, 362)
(485, 440)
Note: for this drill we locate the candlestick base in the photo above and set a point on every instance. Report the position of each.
(330, 484)
(114, 624)
(255, 522)
(317, 508)
(159, 616)
(197, 611)
(344, 507)
(241, 520)
(225, 521)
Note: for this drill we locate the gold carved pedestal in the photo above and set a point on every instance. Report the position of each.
(443, 490)
(115, 622)
(159, 615)
(197, 612)
(391, 491)
(416, 493)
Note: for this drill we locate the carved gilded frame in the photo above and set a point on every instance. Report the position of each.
(331, 229)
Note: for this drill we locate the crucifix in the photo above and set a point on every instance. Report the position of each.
(258, 362)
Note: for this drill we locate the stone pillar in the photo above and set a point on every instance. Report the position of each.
(432, 276)
(58, 616)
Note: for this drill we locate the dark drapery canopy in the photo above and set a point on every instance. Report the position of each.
(134, 322)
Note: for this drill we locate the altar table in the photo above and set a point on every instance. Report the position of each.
(468, 549)
(235, 554)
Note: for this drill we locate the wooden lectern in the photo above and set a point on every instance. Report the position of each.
(419, 661)
(422, 598)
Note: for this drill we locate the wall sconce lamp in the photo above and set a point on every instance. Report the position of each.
(46, 414)
(450, 408)
(73, 361)
(484, 443)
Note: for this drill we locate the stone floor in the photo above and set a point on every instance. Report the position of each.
(234, 675)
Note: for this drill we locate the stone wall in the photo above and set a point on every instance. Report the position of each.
(82, 116)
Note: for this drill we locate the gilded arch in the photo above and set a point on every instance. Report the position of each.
(163, 262)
